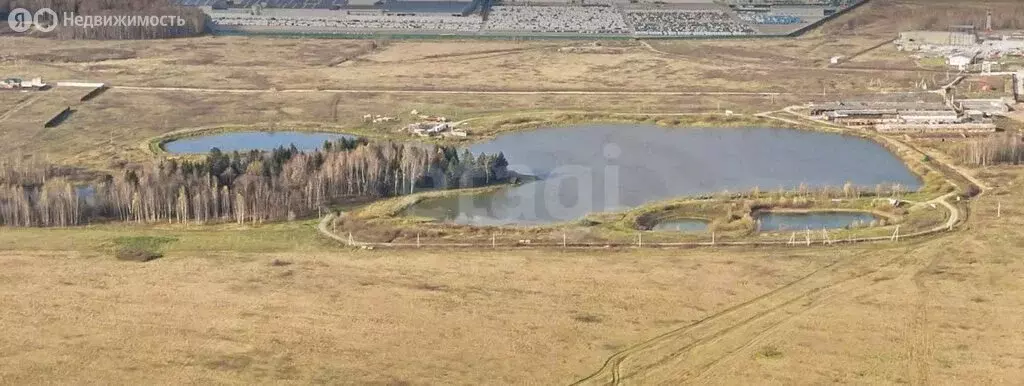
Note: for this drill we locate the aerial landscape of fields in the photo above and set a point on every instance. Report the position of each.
(729, 192)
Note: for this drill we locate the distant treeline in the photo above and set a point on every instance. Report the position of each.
(993, 150)
(195, 20)
(243, 187)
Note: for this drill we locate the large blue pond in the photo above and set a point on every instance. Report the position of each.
(597, 168)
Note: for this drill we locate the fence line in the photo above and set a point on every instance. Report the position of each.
(323, 227)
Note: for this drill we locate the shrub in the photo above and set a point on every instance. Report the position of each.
(769, 352)
(136, 254)
(140, 248)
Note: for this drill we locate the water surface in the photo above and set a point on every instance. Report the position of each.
(687, 225)
(597, 168)
(773, 221)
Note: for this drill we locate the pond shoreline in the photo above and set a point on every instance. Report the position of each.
(673, 163)
(555, 119)
(539, 120)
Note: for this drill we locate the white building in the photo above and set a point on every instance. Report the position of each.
(960, 61)
(929, 117)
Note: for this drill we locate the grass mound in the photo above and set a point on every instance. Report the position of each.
(140, 248)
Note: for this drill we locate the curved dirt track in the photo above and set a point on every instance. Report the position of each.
(690, 352)
(955, 216)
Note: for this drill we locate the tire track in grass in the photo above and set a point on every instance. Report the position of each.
(19, 106)
(705, 373)
(819, 284)
(610, 370)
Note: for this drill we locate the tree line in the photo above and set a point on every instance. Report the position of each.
(195, 20)
(243, 187)
(992, 150)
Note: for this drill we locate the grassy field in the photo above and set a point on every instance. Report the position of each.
(264, 63)
(278, 303)
(110, 130)
(116, 127)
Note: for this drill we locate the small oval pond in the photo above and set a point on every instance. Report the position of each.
(252, 140)
(784, 221)
(599, 168)
(686, 225)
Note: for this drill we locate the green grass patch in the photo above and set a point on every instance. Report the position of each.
(283, 237)
(492, 125)
(140, 248)
(937, 62)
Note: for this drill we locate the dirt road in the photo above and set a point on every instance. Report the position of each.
(17, 107)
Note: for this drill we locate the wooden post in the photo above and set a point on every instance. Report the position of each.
(417, 239)
(712, 238)
(639, 240)
(807, 236)
(494, 242)
(349, 238)
(999, 209)
(563, 239)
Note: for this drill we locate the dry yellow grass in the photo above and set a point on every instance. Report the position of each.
(356, 318)
(260, 63)
(217, 309)
(113, 127)
(932, 310)
(109, 129)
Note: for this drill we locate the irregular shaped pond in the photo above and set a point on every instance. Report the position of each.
(252, 140)
(682, 225)
(782, 221)
(597, 168)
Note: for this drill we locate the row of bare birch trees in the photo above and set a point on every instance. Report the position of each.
(242, 187)
(1005, 148)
